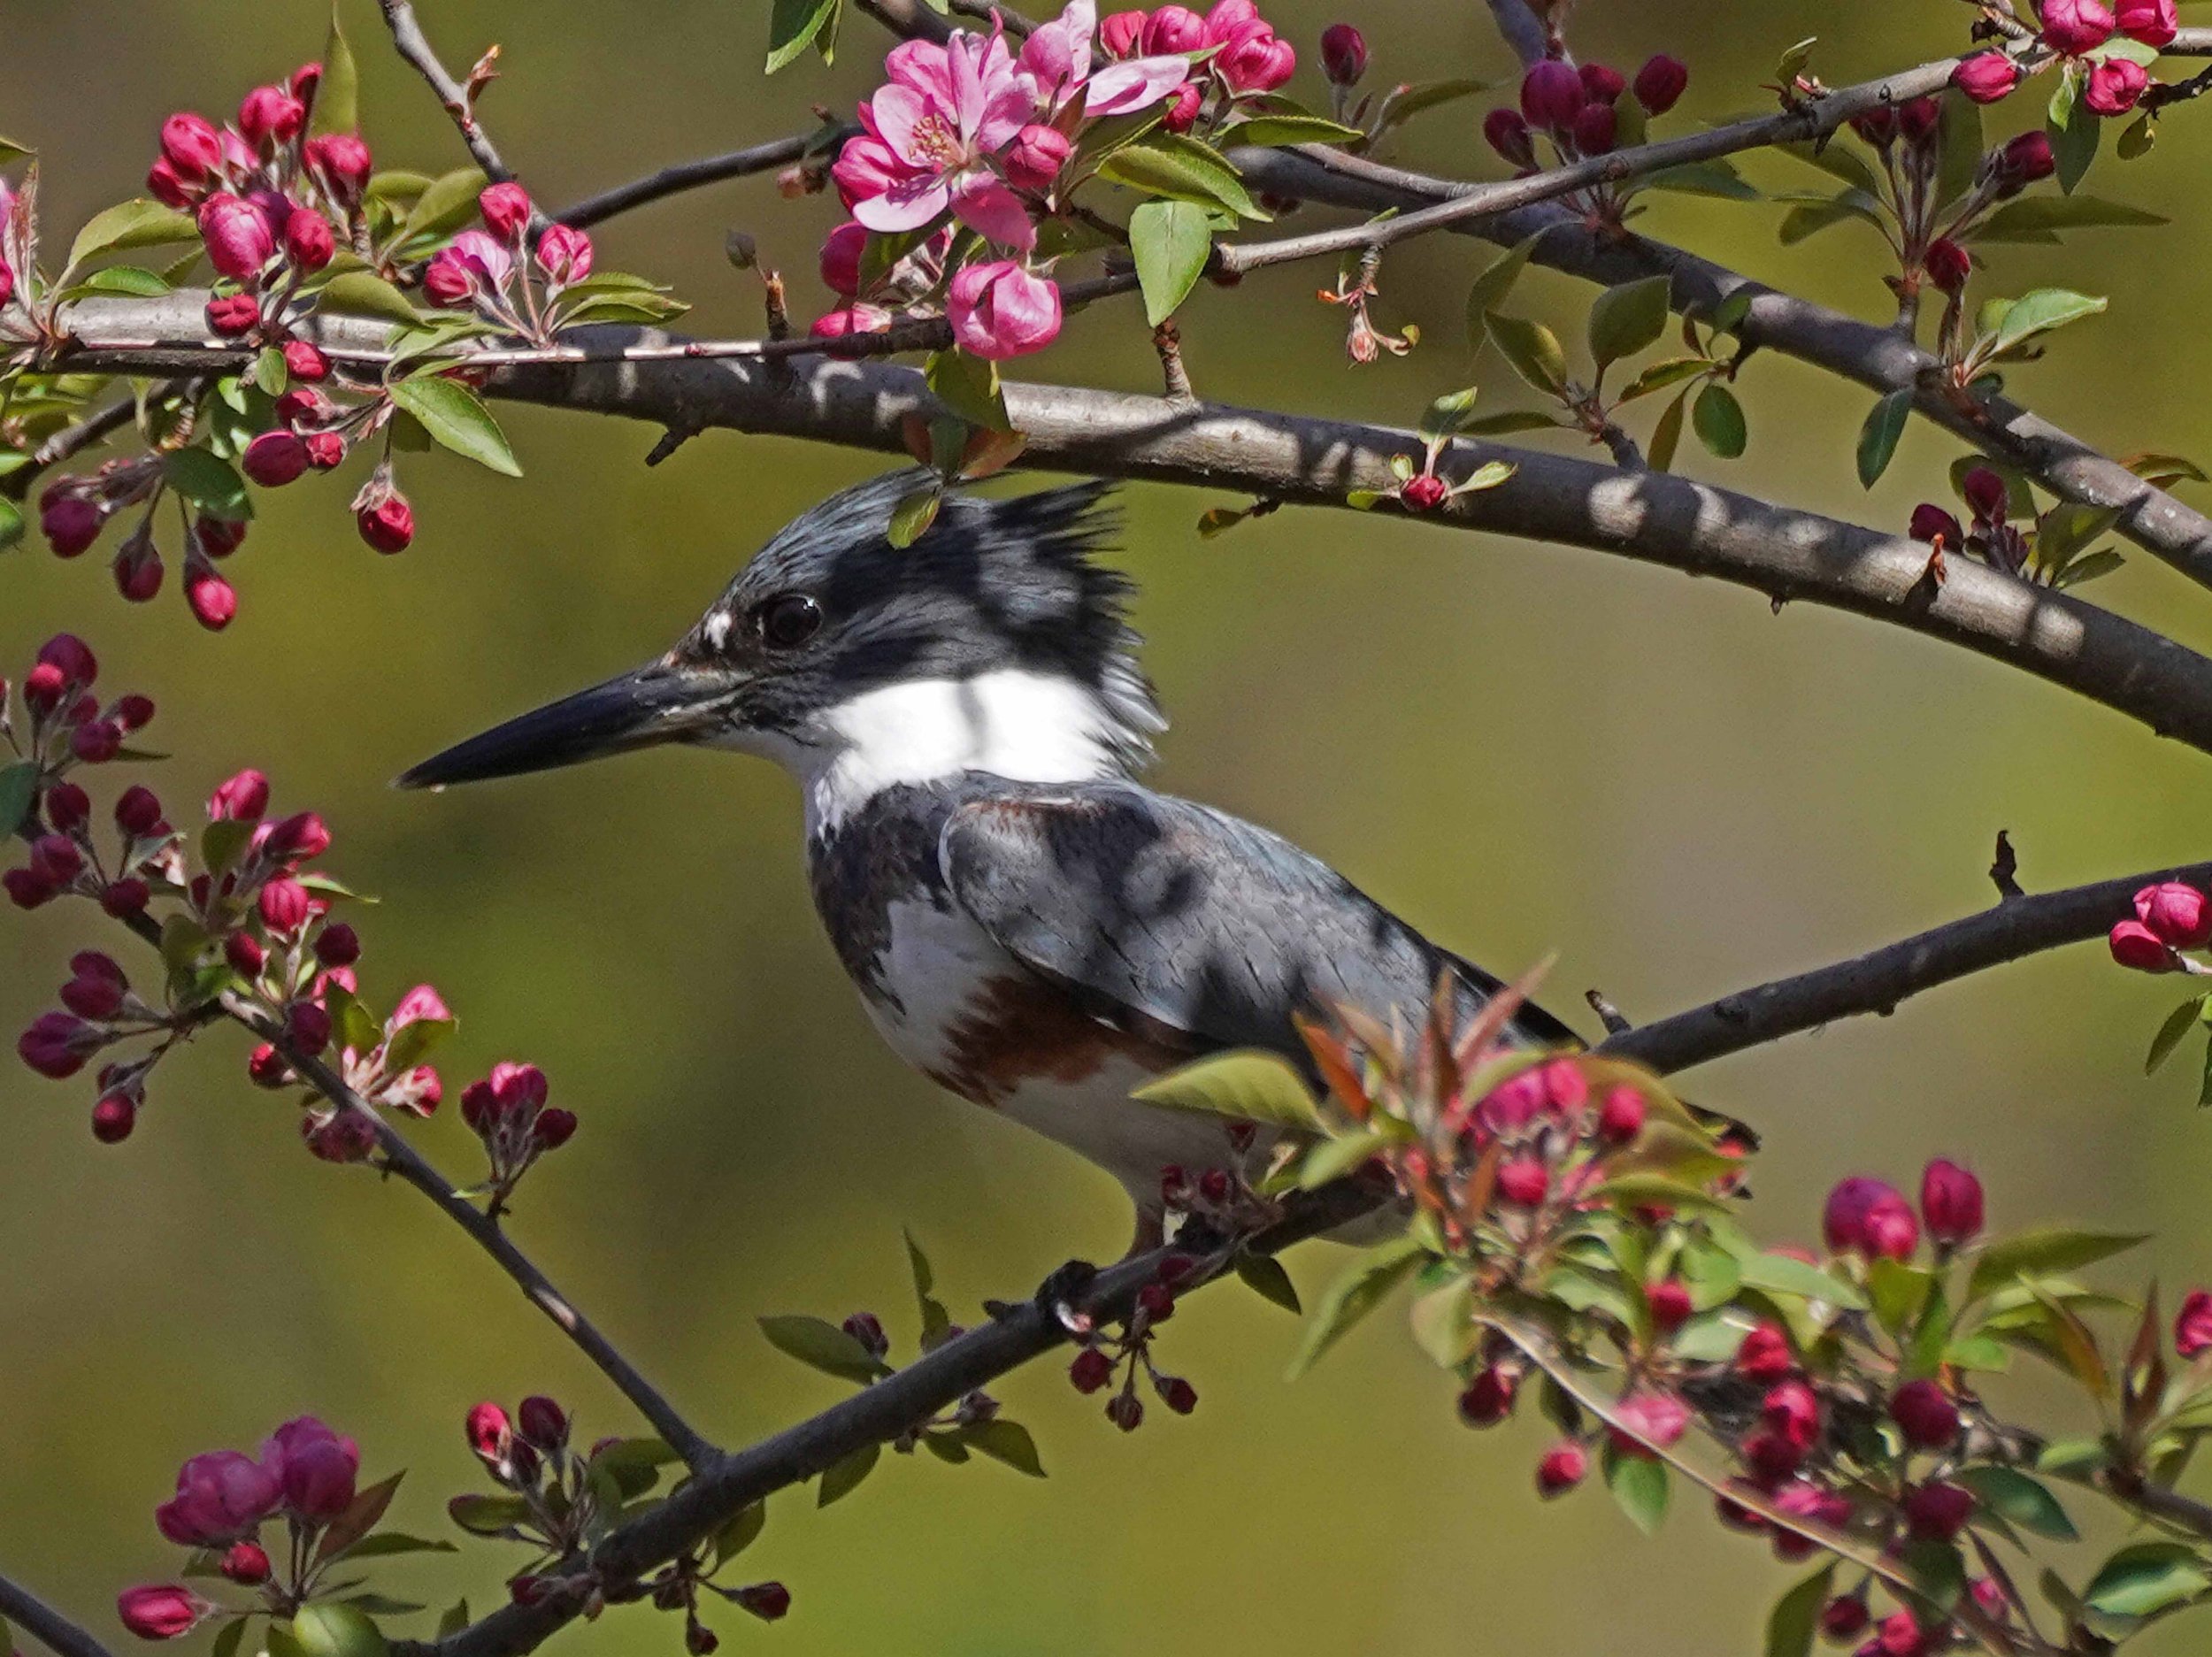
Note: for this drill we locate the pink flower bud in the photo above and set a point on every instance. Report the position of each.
(274, 459)
(1255, 58)
(1931, 523)
(1670, 1303)
(1595, 128)
(56, 860)
(191, 146)
(842, 252)
(1602, 83)
(113, 1116)
(2136, 946)
(1121, 34)
(1489, 1397)
(1869, 1217)
(1563, 1467)
(1182, 107)
(71, 658)
(1092, 1368)
(269, 116)
(266, 1068)
(1551, 95)
(57, 1045)
(2153, 23)
(1523, 1181)
(1951, 1202)
(1985, 494)
(2025, 160)
(317, 1467)
(506, 208)
(137, 811)
(999, 310)
(138, 570)
(246, 1564)
(283, 905)
(1620, 1115)
(2115, 85)
(1343, 54)
(543, 1422)
(26, 890)
(1225, 17)
(43, 688)
(164, 185)
(1791, 1411)
(123, 899)
(1985, 77)
(1649, 1418)
(1925, 1414)
(303, 361)
(565, 254)
(488, 1432)
(1948, 265)
(1035, 156)
(70, 521)
(1660, 83)
(2074, 26)
(243, 799)
(388, 525)
(2179, 913)
(1425, 493)
(554, 1128)
(337, 945)
(1918, 119)
(767, 1601)
(212, 600)
(68, 807)
(97, 743)
(1844, 1617)
(1505, 131)
(867, 1329)
(1174, 28)
(245, 955)
(1178, 1394)
(326, 450)
(299, 838)
(134, 712)
(309, 241)
(340, 161)
(307, 1027)
(164, 1612)
(218, 537)
(238, 237)
(2192, 1323)
(93, 996)
(1939, 1511)
(1770, 1458)
(304, 82)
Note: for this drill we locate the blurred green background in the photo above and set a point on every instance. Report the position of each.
(1522, 748)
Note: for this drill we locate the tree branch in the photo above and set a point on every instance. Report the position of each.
(1876, 357)
(1876, 982)
(49, 1626)
(690, 175)
(65, 444)
(1305, 460)
(414, 46)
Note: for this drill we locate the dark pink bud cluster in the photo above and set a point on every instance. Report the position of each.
(1130, 1355)
(508, 1112)
(2169, 917)
(487, 271)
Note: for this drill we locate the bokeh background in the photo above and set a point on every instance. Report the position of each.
(1524, 748)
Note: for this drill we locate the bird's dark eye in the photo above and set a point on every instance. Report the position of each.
(789, 621)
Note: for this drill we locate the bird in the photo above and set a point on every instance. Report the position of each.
(1028, 924)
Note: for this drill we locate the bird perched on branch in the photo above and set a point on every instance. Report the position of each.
(1028, 925)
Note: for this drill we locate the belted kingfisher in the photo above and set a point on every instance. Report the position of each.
(1028, 925)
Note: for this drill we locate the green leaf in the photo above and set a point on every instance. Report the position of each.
(2138, 140)
(446, 205)
(12, 527)
(1449, 415)
(1641, 1485)
(456, 416)
(1704, 177)
(1443, 1324)
(1899, 1292)
(336, 1631)
(385, 1543)
(1938, 1571)
(360, 1518)
(361, 294)
(1510, 420)
(11, 151)
(633, 305)
(1658, 376)
(1265, 1277)
(2178, 1022)
(1626, 320)
(455, 1619)
(1532, 348)
(1180, 169)
(227, 1643)
(1247, 1084)
(1666, 435)
(842, 1478)
(1428, 94)
(130, 280)
(740, 1532)
(1796, 1616)
(2034, 217)
(1836, 160)
(208, 482)
(1961, 156)
(1808, 218)
(415, 1041)
(2073, 130)
(337, 99)
(1353, 1296)
(911, 517)
(1270, 131)
(2043, 1252)
(280, 1641)
(823, 1345)
(1333, 1159)
(134, 224)
(1779, 1274)
(968, 387)
(2040, 311)
(18, 787)
(1170, 241)
(793, 27)
(2027, 1502)
(1006, 1441)
(2146, 1578)
(1719, 420)
(1878, 437)
(1496, 282)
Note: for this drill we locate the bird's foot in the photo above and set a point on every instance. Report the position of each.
(1057, 1298)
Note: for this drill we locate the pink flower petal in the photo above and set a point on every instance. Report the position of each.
(1120, 89)
(907, 206)
(894, 112)
(987, 206)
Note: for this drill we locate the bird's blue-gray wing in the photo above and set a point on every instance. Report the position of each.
(1191, 920)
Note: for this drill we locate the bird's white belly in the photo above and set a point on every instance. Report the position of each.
(971, 1017)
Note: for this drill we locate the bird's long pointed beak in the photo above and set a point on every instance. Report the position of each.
(659, 702)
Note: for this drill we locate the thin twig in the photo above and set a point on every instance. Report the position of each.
(2132, 1489)
(66, 444)
(47, 1625)
(690, 175)
(414, 46)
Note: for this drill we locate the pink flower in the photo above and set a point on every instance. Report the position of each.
(315, 1466)
(269, 116)
(1122, 33)
(506, 210)
(57, 1045)
(842, 252)
(244, 798)
(2192, 1323)
(1951, 1202)
(1870, 1217)
(565, 254)
(2136, 946)
(474, 268)
(1563, 1467)
(999, 310)
(340, 161)
(162, 1612)
(190, 146)
(1931, 523)
(1255, 58)
(1649, 1419)
(274, 459)
(1035, 156)
(850, 319)
(1926, 1415)
(946, 111)
(220, 1497)
(1660, 83)
(1985, 77)
(2115, 85)
(2076, 25)
(1056, 61)
(308, 240)
(1551, 95)
(1506, 131)
(238, 236)
(1343, 54)
(2152, 22)
(1173, 28)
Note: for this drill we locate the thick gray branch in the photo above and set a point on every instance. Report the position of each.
(1876, 357)
(45, 1624)
(1305, 460)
